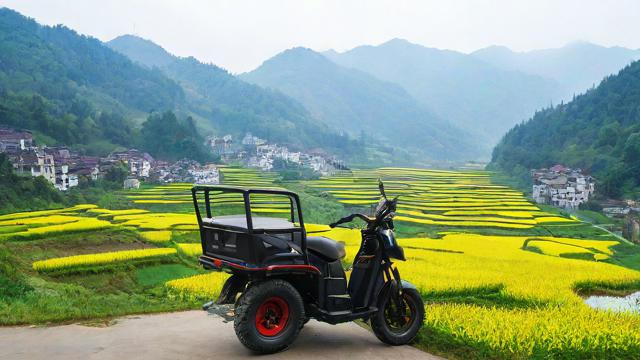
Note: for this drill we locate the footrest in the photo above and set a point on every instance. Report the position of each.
(227, 311)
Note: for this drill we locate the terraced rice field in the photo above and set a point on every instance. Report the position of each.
(247, 177)
(79, 261)
(156, 221)
(204, 286)
(161, 236)
(501, 277)
(503, 296)
(493, 295)
(441, 198)
(179, 195)
(188, 249)
(38, 224)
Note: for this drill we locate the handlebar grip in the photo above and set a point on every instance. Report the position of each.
(341, 221)
(349, 219)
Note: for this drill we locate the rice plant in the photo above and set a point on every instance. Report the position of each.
(70, 262)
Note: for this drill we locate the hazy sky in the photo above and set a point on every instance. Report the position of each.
(239, 35)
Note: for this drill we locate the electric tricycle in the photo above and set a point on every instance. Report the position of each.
(281, 278)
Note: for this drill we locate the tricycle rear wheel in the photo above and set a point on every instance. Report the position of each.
(269, 316)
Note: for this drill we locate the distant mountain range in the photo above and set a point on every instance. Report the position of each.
(490, 90)
(475, 96)
(576, 67)
(71, 89)
(360, 103)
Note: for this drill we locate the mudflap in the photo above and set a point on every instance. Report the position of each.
(234, 285)
(225, 305)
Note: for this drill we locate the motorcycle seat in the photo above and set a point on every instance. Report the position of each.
(325, 247)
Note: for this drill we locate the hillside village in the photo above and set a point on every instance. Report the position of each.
(568, 189)
(259, 153)
(561, 187)
(65, 168)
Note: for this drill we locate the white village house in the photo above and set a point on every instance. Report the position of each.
(35, 162)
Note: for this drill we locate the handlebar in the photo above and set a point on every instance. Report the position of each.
(390, 209)
(350, 218)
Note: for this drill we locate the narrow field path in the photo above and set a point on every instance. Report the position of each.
(188, 335)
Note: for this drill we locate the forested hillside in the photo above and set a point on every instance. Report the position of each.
(598, 132)
(235, 106)
(360, 103)
(58, 63)
(72, 90)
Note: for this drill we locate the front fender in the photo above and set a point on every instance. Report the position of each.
(407, 285)
(389, 286)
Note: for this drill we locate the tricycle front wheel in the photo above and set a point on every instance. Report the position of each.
(269, 316)
(398, 321)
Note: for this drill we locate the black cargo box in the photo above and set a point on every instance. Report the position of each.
(244, 239)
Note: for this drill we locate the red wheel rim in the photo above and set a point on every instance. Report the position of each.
(272, 316)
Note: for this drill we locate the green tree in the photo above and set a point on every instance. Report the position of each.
(632, 151)
(608, 134)
(18, 193)
(164, 136)
(117, 174)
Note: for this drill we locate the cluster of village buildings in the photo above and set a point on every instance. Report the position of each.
(58, 165)
(258, 153)
(562, 187)
(64, 168)
(569, 188)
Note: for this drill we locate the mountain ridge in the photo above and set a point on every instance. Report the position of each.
(358, 101)
(73, 90)
(470, 93)
(577, 66)
(237, 107)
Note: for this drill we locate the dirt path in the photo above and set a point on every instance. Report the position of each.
(187, 335)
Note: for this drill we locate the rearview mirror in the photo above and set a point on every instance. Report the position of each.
(381, 187)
